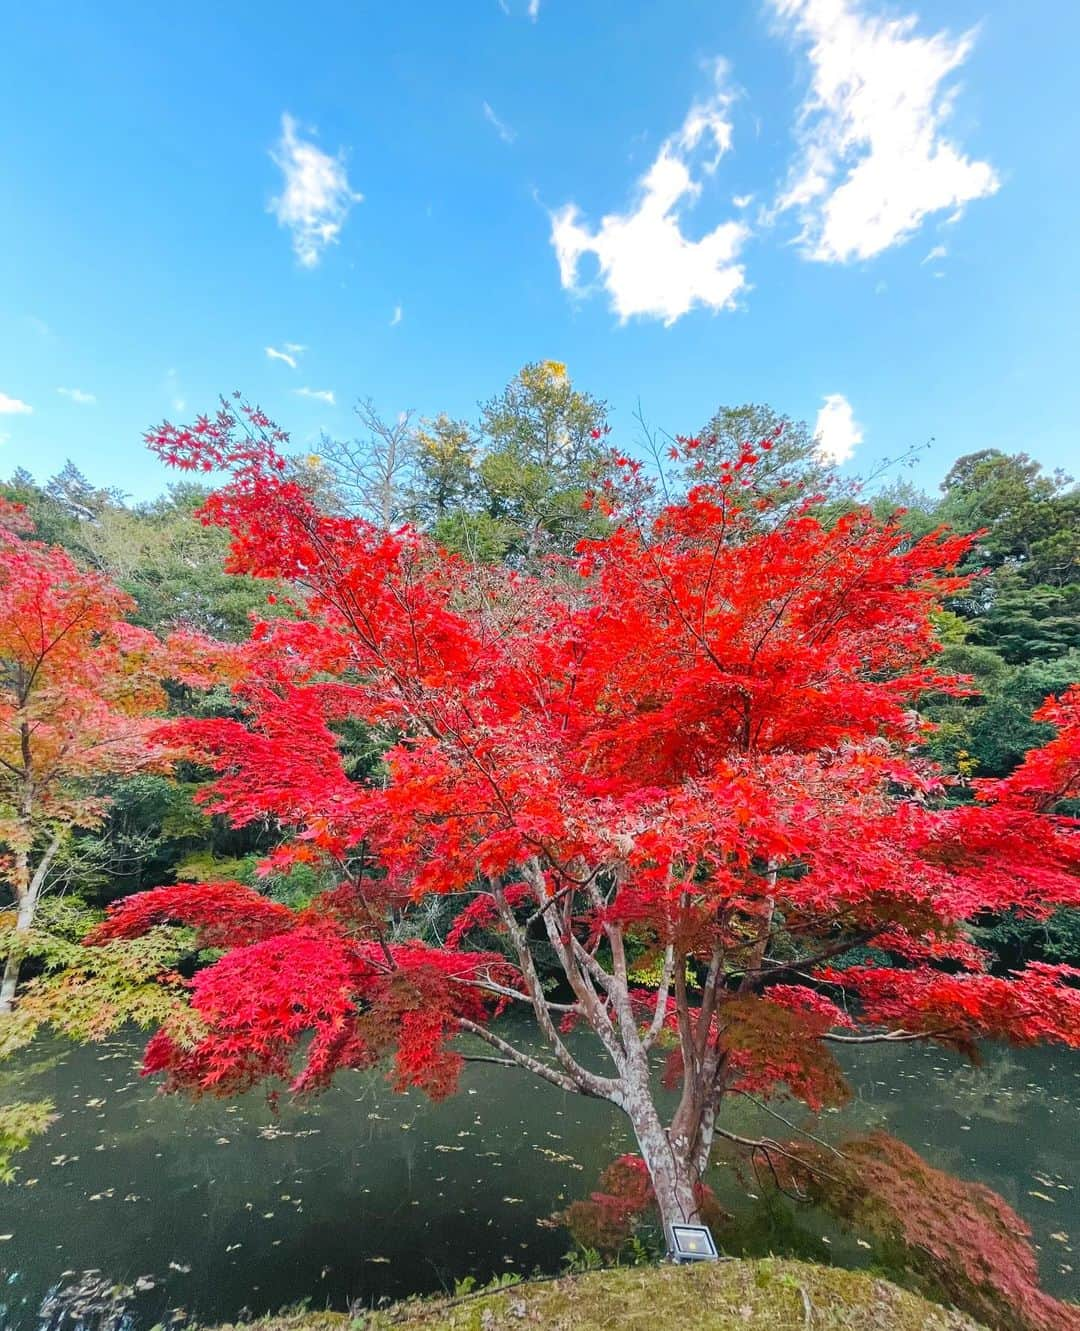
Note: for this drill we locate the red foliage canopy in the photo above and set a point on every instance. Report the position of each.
(312, 973)
(695, 741)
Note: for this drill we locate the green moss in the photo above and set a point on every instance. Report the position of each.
(768, 1295)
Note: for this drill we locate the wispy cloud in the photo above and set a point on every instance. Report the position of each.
(14, 406)
(397, 316)
(172, 387)
(318, 394)
(837, 431)
(317, 196)
(288, 355)
(78, 395)
(534, 9)
(647, 265)
(874, 160)
(938, 252)
(501, 127)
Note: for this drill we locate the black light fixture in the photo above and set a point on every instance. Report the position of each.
(692, 1243)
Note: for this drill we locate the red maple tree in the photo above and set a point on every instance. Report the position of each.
(694, 746)
(78, 690)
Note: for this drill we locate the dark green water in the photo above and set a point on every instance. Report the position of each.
(209, 1209)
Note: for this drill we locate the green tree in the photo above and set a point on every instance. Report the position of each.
(543, 452)
(1027, 607)
(172, 565)
(794, 465)
(445, 480)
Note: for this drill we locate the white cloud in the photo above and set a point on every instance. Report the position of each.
(397, 316)
(648, 266)
(77, 395)
(742, 200)
(317, 196)
(319, 394)
(172, 387)
(938, 252)
(837, 431)
(874, 159)
(289, 357)
(501, 127)
(13, 406)
(534, 9)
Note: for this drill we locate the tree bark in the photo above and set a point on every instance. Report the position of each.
(673, 1170)
(27, 893)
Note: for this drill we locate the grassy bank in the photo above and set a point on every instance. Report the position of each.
(770, 1295)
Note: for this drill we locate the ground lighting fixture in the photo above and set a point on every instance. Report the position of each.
(692, 1243)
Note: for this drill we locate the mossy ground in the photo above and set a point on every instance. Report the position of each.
(768, 1295)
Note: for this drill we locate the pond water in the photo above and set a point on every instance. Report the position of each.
(213, 1210)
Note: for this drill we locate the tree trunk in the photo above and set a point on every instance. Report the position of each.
(23, 921)
(676, 1195)
(674, 1176)
(27, 892)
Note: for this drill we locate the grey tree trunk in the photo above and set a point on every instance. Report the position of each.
(674, 1175)
(27, 894)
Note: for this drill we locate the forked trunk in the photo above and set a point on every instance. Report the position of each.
(674, 1176)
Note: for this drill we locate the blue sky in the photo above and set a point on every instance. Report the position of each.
(838, 205)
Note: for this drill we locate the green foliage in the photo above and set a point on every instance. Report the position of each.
(794, 467)
(20, 1122)
(543, 450)
(541, 419)
(1029, 518)
(1028, 606)
(86, 993)
(990, 731)
(173, 566)
(1027, 623)
(1019, 939)
(445, 460)
(294, 887)
(479, 537)
(157, 552)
